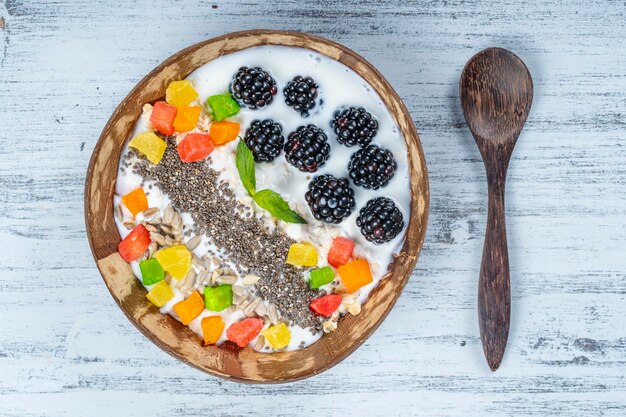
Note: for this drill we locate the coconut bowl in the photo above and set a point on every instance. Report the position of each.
(244, 365)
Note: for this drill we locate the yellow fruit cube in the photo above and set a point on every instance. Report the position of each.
(150, 145)
(277, 336)
(301, 254)
(176, 260)
(180, 93)
(160, 294)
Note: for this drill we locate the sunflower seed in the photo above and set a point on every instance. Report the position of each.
(196, 261)
(129, 225)
(119, 214)
(261, 309)
(169, 241)
(219, 271)
(232, 308)
(238, 290)
(151, 212)
(167, 278)
(202, 276)
(214, 277)
(238, 300)
(188, 281)
(168, 214)
(152, 249)
(228, 279)
(250, 280)
(272, 314)
(151, 228)
(167, 230)
(250, 308)
(228, 271)
(177, 222)
(157, 238)
(193, 242)
(260, 342)
(216, 260)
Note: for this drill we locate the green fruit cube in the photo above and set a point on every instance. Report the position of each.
(151, 271)
(222, 106)
(218, 298)
(321, 276)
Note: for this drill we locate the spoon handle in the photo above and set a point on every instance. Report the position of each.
(494, 288)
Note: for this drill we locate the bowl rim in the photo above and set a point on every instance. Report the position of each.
(419, 238)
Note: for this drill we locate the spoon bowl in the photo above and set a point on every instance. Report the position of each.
(496, 92)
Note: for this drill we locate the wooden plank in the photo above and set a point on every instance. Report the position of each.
(66, 349)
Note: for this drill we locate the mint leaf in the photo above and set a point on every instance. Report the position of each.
(244, 160)
(277, 207)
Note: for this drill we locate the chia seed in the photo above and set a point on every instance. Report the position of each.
(246, 242)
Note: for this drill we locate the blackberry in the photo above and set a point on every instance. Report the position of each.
(372, 167)
(265, 139)
(253, 87)
(380, 220)
(330, 199)
(354, 126)
(300, 93)
(307, 148)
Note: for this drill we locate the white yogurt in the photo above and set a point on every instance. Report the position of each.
(339, 87)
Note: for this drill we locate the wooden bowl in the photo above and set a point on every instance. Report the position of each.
(244, 365)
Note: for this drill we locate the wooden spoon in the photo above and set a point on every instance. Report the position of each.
(496, 93)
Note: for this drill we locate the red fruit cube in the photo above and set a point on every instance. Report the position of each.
(340, 251)
(162, 117)
(195, 147)
(326, 305)
(244, 331)
(135, 244)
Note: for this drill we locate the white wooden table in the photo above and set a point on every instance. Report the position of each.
(66, 348)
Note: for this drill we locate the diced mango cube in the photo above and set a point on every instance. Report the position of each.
(224, 132)
(355, 274)
(212, 328)
(222, 106)
(160, 294)
(150, 145)
(135, 201)
(189, 309)
(134, 244)
(340, 251)
(302, 255)
(195, 147)
(176, 260)
(277, 336)
(245, 331)
(180, 93)
(162, 117)
(186, 118)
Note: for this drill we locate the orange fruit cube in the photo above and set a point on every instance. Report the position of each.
(135, 201)
(224, 132)
(355, 274)
(186, 118)
(190, 308)
(212, 328)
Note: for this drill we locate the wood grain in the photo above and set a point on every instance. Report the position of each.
(67, 350)
(244, 365)
(496, 92)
